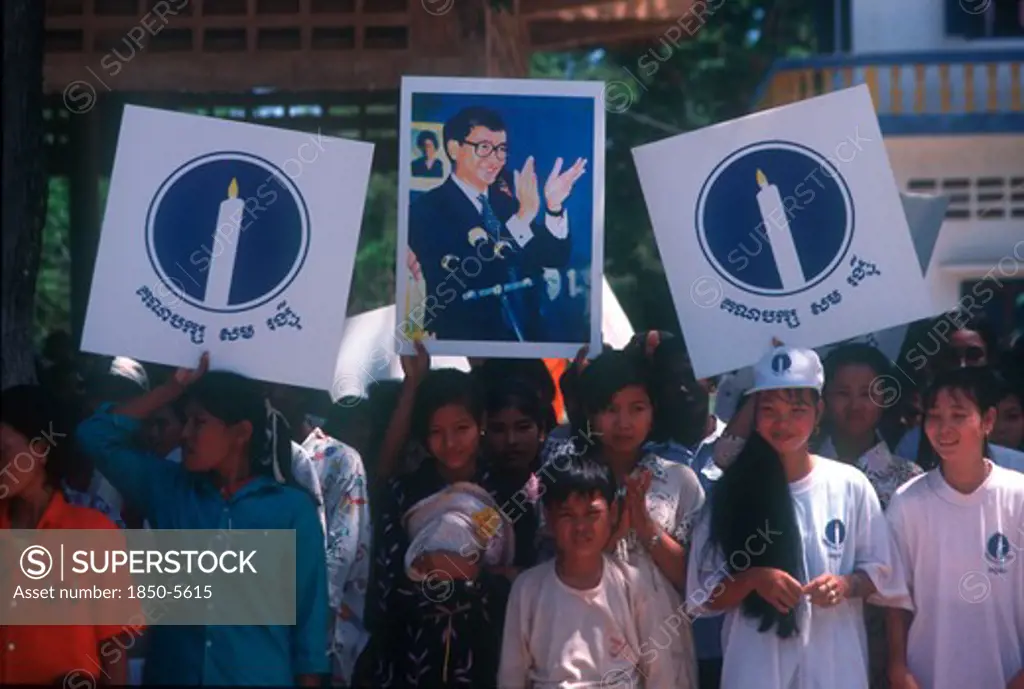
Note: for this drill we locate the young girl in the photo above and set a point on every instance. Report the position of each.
(854, 377)
(790, 546)
(34, 451)
(518, 420)
(661, 498)
(959, 533)
(444, 631)
(235, 474)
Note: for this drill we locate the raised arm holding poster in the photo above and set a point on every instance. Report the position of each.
(786, 224)
(500, 221)
(228, 237)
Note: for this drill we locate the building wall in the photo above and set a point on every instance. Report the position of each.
(984, 177)
(897, 26)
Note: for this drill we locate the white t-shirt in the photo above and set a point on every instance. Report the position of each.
(558, 636)
(843, 530)
(962, 560)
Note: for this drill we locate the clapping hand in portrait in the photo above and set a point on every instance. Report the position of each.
(556, 189)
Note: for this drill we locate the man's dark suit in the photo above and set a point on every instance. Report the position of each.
(440, 222)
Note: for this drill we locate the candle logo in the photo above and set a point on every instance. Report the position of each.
(227, 232)
(775, 218)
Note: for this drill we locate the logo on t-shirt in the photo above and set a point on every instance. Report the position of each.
(999, 552)
(835, 536)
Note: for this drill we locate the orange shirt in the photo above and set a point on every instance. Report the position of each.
(45, 655)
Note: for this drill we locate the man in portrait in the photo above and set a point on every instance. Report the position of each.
(482, 238)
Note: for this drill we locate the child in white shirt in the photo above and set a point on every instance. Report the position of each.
(959, 538)
(579, 620)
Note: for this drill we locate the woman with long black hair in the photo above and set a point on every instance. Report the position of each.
(790, 545)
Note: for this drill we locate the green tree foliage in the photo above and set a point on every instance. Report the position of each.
(373, 283)
(53, 282)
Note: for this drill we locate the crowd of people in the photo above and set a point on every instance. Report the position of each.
(451, 530)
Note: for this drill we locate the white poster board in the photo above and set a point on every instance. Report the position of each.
(231, 238)
(925, 215)
(787, 224)
(500, 216)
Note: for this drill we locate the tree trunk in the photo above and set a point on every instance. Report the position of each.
(24, 185)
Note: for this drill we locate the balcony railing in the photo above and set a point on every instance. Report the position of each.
(951, 91)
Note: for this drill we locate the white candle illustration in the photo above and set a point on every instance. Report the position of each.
(780, 238)
(222, 263)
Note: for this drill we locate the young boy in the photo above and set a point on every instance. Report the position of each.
(579, 620)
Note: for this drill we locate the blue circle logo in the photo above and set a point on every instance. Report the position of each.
(227, 232)
(835, 532)
(781, 363)
(998, 549)
(775, 218)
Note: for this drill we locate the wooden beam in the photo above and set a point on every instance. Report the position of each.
(242, 72)
(541, 7)
(557, 35)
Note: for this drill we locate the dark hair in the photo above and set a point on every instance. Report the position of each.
(569, 384)
(861, 354)
(681, 403)
(520, 395)
(979, 384)
(610, 372)
(233, 398)
(856, 354)
(458, 127)
(1010, 383)
(440, 388)
(606, 375)
(533, 371)
(751, 493)
(35, 413)
(423, 137)
(576, 475)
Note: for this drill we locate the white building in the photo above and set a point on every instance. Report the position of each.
(947, 77)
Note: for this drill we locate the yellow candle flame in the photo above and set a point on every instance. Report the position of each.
(233, 189)
(762, 181)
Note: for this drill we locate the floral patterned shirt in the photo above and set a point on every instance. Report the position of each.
(884, 470)
(347, 509)
(674, 501)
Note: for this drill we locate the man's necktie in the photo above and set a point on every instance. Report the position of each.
(511, 308)
(491, 222)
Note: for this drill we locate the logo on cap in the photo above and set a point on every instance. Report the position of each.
(781, 363)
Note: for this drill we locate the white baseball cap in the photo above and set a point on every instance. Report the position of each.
(788, 367)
